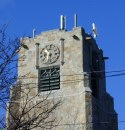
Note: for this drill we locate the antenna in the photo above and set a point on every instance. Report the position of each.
(62, 22)
(94, 30)
(75, 20)
(34, 31)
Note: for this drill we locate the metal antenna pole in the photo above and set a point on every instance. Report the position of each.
(34, 31)
(75, 20)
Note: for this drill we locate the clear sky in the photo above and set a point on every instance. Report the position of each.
(109, 16)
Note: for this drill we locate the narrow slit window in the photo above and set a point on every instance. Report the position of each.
(94, 85)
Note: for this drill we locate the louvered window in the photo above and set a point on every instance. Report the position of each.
(49, 78)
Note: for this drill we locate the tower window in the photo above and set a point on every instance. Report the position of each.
(95, 61)
(95, 75)
(49, 78)
(95, 85)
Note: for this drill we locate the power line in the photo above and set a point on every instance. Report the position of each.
(76, 80)
(121, 74)
(103, 71)
(84, 73)
(89, 72)
(87, 123)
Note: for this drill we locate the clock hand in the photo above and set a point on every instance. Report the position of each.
(47, 54)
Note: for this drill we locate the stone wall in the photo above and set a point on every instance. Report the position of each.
(78, 110)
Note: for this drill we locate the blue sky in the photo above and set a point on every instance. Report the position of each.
(109, 16)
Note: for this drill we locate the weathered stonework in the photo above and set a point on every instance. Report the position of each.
(80, 110)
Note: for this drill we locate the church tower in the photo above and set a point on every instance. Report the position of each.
(70, 65)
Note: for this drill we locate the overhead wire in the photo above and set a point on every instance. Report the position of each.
(87, 123)
(82, 73)
(79, 80)
(74, 80)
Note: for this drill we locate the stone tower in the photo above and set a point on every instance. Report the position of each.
(72, 67)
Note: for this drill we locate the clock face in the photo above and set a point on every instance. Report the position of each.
(49, 54)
